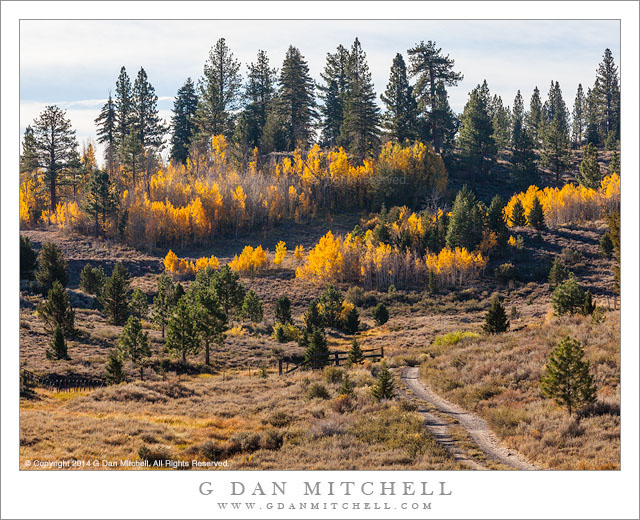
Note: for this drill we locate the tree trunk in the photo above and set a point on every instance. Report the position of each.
(206, 353)
(141, 372)
(434, 125)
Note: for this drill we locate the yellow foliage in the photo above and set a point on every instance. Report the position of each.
(171, 262)
(511, 241)
(298, 253)
(455, 266)
(570, 203)
(185, 267)
(324, 262)
(250, 260)
(281, 253)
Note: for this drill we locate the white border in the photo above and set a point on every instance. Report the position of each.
(175, 494)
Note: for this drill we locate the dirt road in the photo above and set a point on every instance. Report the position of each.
(477, 427)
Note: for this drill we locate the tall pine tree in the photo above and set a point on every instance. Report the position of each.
(475, 139)
(259, 94)
(578, 118)
(123, 107)
(360, 127)
(106, 123)
(431, 67)
(555, 131)
(400, 118)
(183, 122)
(146, 121)
(333, 94)
(524, 170)
(296, 100)
(534, 117)
(219, 92)
(99, 200)
(607, 92)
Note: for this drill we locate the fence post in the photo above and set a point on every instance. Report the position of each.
(381, 352)
(335, 355)
(279, 367)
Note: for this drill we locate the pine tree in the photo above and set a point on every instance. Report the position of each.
(477, 145)
(432, 283)
(355, 355)
(555, 132)
(55, 148)
(333, 94)
(134, 344)
(614, 163)
(282, 310)
(360, 127)
(163, 302)
(312, 318)
(56, 310)
(183, 122)
(260, 93)
(252, 308)
(131, 155)
(590, 175)
(578, 117)
(524, 170)
(567, 378)
(296, 100)
(606, 245)
(183, 337)
(351, 322)
(496, 221)
(146, 121)
(210, 318)
(535, 217)
(123, 107)
(448, 122)
(534, 117)
(114, 369)
(100, 201)
(228, 290)
(52, 266)
(29, 159)
(28, 258)
(92, 279)
(431, 68)
(400, 118)
(607, 93)
(518, 217)
(106, 124)
(384, 387)
(317, 353)
(501, 118)
(380, 314)
(464, 230)
(558, 273)
(219, 92)
(568, 297)
(138, 304)
(592, 134)
(495, 320)
(115, 295)
(613, 221)
(58, 345)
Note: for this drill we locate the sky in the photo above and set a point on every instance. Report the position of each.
(74, 63)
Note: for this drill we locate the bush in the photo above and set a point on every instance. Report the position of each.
(92, 279)
(252, 308)
(272, 440)
(152, 455)
(285, 332)
(332, 375)
(570, 256)
(244, 442)
(349, 318)
(380, 314)
(355, 295)
(453, 338)
(384, 387)
(212, 451)
(317, 391)
(506, 272)
(279, 419)
(56, 310)
(58, 345)
(343, 403)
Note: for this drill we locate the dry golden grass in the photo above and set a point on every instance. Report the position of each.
(253, 422)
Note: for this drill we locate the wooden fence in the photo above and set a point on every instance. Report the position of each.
(59, 383)
(332, 358)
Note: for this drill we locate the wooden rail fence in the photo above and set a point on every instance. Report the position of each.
(333, 358)
(59, 383)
